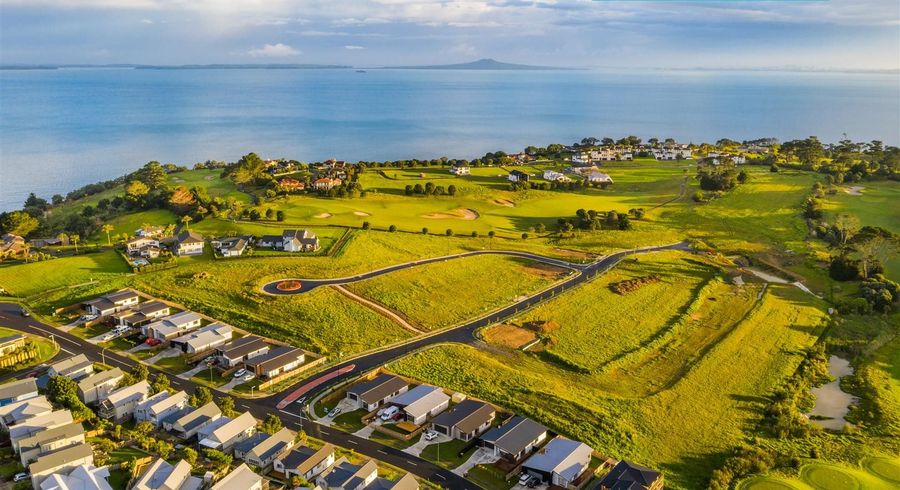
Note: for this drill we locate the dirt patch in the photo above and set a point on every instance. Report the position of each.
(504, 202)
(361, 213)
(855, 190)
(461, 213)
(575, 254)
(507, 335)
(546, 271)
(323, 215)
(631, 285)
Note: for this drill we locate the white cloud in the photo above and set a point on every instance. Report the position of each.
(146, 21)
(353, 47)
(274, 51)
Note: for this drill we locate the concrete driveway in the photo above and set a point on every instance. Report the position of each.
(138, 348)
(480, 456)
(193, 372)
(170, 352)
(417, 448)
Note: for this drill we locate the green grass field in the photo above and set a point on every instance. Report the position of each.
(128, 223)
(46, 349)
(827, 476)
(38, 277)
(441, 294)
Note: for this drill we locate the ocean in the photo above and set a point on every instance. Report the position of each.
(61, 129)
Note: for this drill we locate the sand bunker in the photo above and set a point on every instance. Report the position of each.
(504, 202)
(855, 190)
(361, 213)
(461, 213)
(323, 215)
(209, 177)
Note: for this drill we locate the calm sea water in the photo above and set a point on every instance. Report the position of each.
(65, 128)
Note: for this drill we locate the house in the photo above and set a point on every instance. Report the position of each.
(581, 158)
(163, 476)
(408, 482)
(16, 391)
(96, 387)
(186, 424)
(204, 339)
(12, 244)
(237, 351)
(226, 435)
(83, 477)
(34, 425)
(599, 177)
(291, 185)
(264, 453)
(75, 367)
(150, 231)
(522, 157)
(120, 404)
(111, 303)
(374, 393)
(11, 343)
(422, 402)
(231, 246)
(345, 476)
(244, 447)
(20, 411)
(325, 183)
(305, 462)
(466, 421)
(242, 478)
(299, 241)
(172, 325)
(142, 247)
(141, 314)
(61, 461)
(628, 475)
(554, 176)
(460, 170)
(560, 462)
(50, 440)
(514, 439)
(159, 406)
(44, 242)
(277, 361)
(517, 176)
(188, 243)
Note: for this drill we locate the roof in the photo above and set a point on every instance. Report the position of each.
(241, 477)
(71, 364)
(11, 338)
(61, 457)
(100, 378)
(168, 401)
(468, 416)
(24, 409)
(18, 388)
(198, 416)
(515, 435)
(251, 442)
(378, 388)
(242, 346)
(60, 433)
(562, 456)
(120, 296)
(408, 482)
(151, 307)
(206, 335)
(83, 477)
(304, 459)
(276, 358)
(34, 425)
(189, 236)
(273, 445)
(137, 391)
(624, 473)
(518, 173)
(231, 428)
(162, 475)
(421, 399)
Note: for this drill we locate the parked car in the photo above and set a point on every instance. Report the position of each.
(109, 336)
(120, 329)
(334, 412)
(25, 313)
(389, 413)
(430, 435)
(21, 477)
(380, 411)
(153, 342)
(533, 482)
(397, 417)
(523, 478)
(240, 373)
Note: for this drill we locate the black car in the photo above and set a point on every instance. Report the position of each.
(25, 313)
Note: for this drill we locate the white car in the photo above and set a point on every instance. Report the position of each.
(21, 477)
(389, 413)
(109, 336)
(430, 435)
(240, 373)
(523, 478)
(334, 412)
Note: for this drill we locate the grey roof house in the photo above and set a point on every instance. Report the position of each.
(629, 476)
(61, 461)
(305, 462)
(371, 394)
(514, 439)
(188, 423)
(465, 421)
(237, 351)
(560, 462)
(22, 410)
(48, 441)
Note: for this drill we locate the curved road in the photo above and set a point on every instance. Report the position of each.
(310, 284)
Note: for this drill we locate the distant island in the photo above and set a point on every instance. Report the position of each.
(482, 64)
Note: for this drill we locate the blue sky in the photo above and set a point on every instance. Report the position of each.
(838, 34)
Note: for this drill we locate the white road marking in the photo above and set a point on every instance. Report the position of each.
(291, 414)
(439, 476)
(351, 441)
(410, 462)
(382, 452)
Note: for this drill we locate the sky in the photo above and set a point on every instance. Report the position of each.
(814, 34)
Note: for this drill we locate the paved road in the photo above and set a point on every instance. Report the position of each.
(10, 316)
(310, 284)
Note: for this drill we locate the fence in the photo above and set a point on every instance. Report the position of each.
(290, 374)
(399, 435)
(23, 355)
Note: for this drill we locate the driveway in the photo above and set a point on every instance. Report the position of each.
(227, 387)
(192, 372)
(417, 448)
(138, 348)
(480, 456)
(170, 352)
(366, 431)
(99, 338)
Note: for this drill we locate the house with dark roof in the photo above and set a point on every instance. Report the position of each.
(231, 246)
(422, 402)
(186, 423)
(237, 351)
(305, 462)
(96, 387)
(515, 439)
(111, 303)
(465, 421)
(276, 362)
(346, 476)
(626, 475)
(75, 367)
(188, 242)
(223, 436)
(61, 461)
(518, 176)
(264, 452)
(561, 462)
(50, 440)
(204, 339)
(408, 482)
(142, 313)
(172, 326)
(17, 391)
(374, 393)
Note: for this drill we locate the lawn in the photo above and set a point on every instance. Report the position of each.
(683, 430)
(446, 454)
(457, 290)
(828, 476)
(46, 349)
(38, 277)
(129, 223)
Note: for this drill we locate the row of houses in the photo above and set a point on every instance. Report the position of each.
(589, 157)
(288, 241)
(149, 246)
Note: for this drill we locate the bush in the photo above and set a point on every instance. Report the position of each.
(392, 228)
(843, 268)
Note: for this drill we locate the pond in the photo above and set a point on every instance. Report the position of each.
(832, 404)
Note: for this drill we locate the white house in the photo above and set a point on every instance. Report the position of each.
(96, 387)
(172, 325)
(16, 391)
(599, 177)
(560, 462)
(163, 476)
(305, 462)
(159, 406)
(554, 176)
(204, 339)
(75, 367)
(141, 314)
(48, 441)
(83, 477)
(224, 436)
(422, 402)
(143, 246)
(517, 176)
(189, 243)
(460, 170)
(466, 421)
(187, 423)
(120, 404)
(264, 453)
(374, 393)
(23, 410)
(238, 351)
(242, 478)
(34, 425)
(111, 303)
(61, 461)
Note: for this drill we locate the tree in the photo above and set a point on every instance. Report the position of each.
(164, 449)
(136, 190)
(846, 226)
(301, 438)
(64, 391)
(424, 230)
(474, 234)
(201, 397)
(153, 175)
(272, 424)
(492, 234)
(226, 405)
(160, 383)
(186, 221)
(18, 223)
(269, 213)
(137, 374)
(366, 225)
(279, 215)
(189, 455)
(107, 228)
(524, 236)
(873, 251)
(392, 228)
(449, 232)
(74, 238)
(451, 190)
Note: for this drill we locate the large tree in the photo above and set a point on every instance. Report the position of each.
(18, 223)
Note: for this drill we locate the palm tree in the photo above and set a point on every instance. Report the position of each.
(63, 238)
(186, 221)
(107, 228)
(75, 238)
